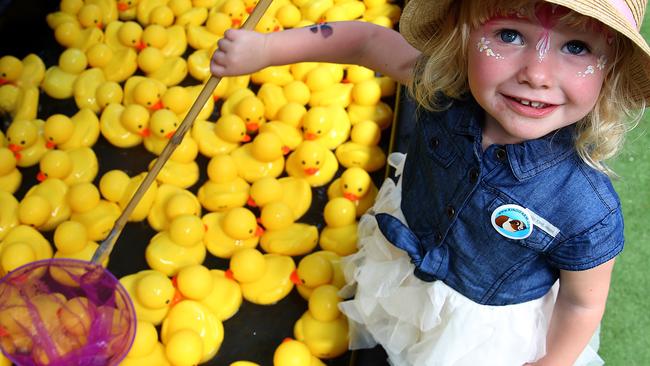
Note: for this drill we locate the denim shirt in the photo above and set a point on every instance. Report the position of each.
(451, 188)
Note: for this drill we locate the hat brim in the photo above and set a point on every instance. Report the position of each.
(421, 18)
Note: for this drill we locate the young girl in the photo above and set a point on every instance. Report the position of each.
(497, 243)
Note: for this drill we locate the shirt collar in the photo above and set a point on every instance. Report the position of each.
(526, 159)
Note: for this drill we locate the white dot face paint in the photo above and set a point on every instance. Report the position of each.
(590, 70)
(483, 46)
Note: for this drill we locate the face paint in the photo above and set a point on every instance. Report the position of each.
(483, 45)
(600, 65)
(547, 14)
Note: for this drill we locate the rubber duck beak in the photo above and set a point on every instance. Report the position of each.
(170, 135)
(157, 106)
(311, 171)
(122, 7)
(259, 231)
(310, 136)
(236, 23)
(249, 10)
(228, 274)
(141, 46)
(3, 81)
(50, 145)
(41, 176)
(251, 202)
(295, 278)
(277, 28)
(100, 25)
(351, 197)
(178, 297)
(145, 132)
(285, 150)
(252, 126)
(14, 148)
(246, 138)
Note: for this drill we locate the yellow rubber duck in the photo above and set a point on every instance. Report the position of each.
(72, 166)
(117, 65)
(91, 15)
(108, 9)
(228, 87)
(23, 73)
(73, 35)
(287, 125)
(329, 126)
(187, 14)
(340, 232)
(127, 9)
(224, 189)
(170, 40)
(265, 279)
(10, 176)
(179, 100)
(225, 298)
(229, 105)
(67, 12)
(268, 24)
(292, 352)
(124, 126)
(85, 88)
(59, 80)
(387, 10)
(288, 15)
(22, 244)
(25, 140)
(71, 241)
(179, 246)
(171, 201)
(116, 186)
(191, 333)
(144, 91)
(263, 157)
(152, 294)
(323, 328)
(319, 268)
(362, 151)
(181, 169)
(297, 91)
(66, 133)
(236, 10)
(344, 11)
(319, 78)
(356, 185)
(119, 35)
(146, 349)
(220, 137)
(278, 75)
(145, 9)
(294, 192)
(357, 73)
(282, 235)
(202, 37)
(169, 70)
(230, 231)
(20, 103)
(366, 92)
(44, 205)
(8, 213)
(299, 70)
(89, 209)
(381, 113)
(273, 98)
(251, 110)
(313, 162)
(163, 124)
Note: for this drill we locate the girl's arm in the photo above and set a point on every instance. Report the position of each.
(366, 44)
(578, 310)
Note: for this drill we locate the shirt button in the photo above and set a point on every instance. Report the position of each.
(434, 142)
(450, 211)
(474, 174)
(500, 154)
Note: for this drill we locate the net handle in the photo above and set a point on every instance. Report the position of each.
(104, 250)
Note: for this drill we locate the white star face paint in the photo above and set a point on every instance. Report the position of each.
(483, 45)
(590, 70)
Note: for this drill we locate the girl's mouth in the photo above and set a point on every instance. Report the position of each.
(530, 103)
(530, 108)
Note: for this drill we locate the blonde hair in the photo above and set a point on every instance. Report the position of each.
(441, 73)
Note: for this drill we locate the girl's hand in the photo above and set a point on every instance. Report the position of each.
(239, 52)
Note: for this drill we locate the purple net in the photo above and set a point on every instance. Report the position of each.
(65, 312)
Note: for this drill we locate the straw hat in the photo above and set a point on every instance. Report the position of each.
(420, 18)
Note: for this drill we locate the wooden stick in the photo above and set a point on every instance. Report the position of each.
(104, 250)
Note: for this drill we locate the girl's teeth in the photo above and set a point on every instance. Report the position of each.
(532, 104)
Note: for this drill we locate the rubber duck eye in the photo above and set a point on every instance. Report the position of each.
(162, 131)
(139, 126)
(4, 74)
(250, 231)
(303, 162)
(167, 301)
(359, 189)
(248, 119)
(230, 14)
(22, 142)
(317, 162)
(318, 132)
(345, 186)
(51, 138)
(148, 103)
(175, 124)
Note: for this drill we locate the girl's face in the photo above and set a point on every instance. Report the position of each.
(533, 75)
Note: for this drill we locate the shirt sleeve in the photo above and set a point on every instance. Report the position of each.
(591, 248)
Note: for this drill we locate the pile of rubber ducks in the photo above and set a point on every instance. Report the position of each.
(133, 68)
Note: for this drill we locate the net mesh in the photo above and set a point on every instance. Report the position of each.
(64, 312)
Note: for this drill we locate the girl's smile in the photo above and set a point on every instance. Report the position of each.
(534, 76)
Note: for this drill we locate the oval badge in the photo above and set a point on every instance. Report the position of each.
(512, 221)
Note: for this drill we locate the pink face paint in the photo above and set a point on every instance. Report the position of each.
(547, 15)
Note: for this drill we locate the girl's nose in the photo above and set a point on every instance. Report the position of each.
(536, 71)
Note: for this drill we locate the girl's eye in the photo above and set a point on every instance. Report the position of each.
(511, 36)
(575, 48)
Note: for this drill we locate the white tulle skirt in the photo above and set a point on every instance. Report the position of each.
(429, 323)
